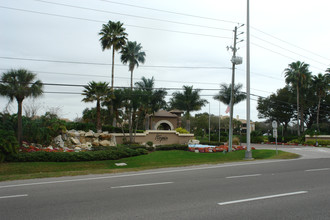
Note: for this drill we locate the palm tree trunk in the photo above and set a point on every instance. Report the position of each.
(318, 114)
(19, 122)
(298, 110)
(112, 118)
(113, 68)
(98, 116)
(131, 79)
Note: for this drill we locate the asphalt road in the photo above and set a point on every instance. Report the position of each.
(271, 189)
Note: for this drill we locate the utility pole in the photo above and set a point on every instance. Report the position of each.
(248, 152)
(235, 61)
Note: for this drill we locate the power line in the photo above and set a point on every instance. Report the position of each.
(108, 64)
(134, 16)
(290, 43)
(288, 50)
(85, 19)
(170, 12)
(282, 55)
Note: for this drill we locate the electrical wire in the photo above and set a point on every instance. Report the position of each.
(134, 16)
(170, 12)
(136, 26)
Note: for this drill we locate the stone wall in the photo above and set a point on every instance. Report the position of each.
(80, 140)
(158, 137)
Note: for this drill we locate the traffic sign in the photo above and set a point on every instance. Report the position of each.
(275, 133)
(274, 124)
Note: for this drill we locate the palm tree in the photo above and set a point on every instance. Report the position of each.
(113, 35)
(20, 84)
(133, 55)
(152, 100)
(225, 91)
(321, 86)
(297, 74)
(96, 91)
(189, 100)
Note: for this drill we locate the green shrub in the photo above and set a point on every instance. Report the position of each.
(172, 147)
(215, 143)
(113, 154)
(182, 130)
(8, 144)
(320, 142)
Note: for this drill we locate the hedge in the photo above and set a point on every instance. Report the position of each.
(172, 147)
(215, 143)
(113, 154)
(320, 142)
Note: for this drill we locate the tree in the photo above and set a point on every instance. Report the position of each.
(133, 55)
(152, 99)
(96, 91)
(225, 91)
(278, 107)
(20, 84)
(189, 100)
(321, 85)
(297, 75)
(113, 35)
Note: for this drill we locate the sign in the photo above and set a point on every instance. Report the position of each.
(275, 133)
(274, 124)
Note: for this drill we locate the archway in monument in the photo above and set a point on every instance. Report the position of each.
(164, 125)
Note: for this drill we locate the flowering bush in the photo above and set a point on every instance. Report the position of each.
(26, 148)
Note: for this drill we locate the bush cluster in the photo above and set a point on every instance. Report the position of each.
(320, 142)
(172, 147)
(215, 143)
(8, 144)
(112, 154)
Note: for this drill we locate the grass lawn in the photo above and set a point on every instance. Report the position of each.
(158, 159)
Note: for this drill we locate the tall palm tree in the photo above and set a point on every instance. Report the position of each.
(96, 91)
(133, 55)
(225, 91)
(296, 75)
(20, 84)
(113, 36)
(189, 100)
(321, 84)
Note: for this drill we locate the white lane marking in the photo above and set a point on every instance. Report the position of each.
(262, 197)
(251, 175)
(13, 196)
(138, 185)
(321, 169)
(147, 173)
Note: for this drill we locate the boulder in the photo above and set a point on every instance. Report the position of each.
(105, 143)
(90, 133)
(75, 141)
(96, 142)
(59, 141)
(105, 136)
(77, 149)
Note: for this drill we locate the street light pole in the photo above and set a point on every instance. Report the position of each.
(230, 141)
(248, 153)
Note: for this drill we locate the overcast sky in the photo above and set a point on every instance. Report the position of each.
(184, 41)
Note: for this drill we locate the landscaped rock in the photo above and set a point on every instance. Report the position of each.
(96, 142)
(75, 141)
(105, 136)
(59, 141)
(77, 149)
(105, 143)
(90, 133)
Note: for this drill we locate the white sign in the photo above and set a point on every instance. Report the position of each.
(274, 124)
(275, 133)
